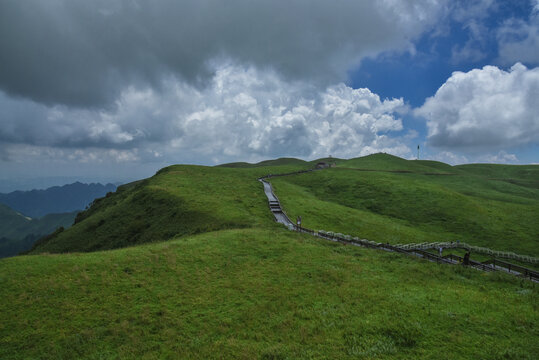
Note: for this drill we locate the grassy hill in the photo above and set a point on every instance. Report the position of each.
(283, 162)
(213, 276)
(378, 197)
(523, 175)
(400, 201)
(260, 293)
(265, 163)
(178, 200)
(387, 162)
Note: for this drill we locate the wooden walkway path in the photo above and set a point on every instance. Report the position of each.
(489, 265)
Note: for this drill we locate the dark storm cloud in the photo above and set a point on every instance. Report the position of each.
(84, 53)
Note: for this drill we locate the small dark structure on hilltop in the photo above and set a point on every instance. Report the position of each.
(323, 165)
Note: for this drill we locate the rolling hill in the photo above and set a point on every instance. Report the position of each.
(387, 162)
(379, 197)
(388, 199)
(275, 162)
(178, 200)
(282, 162)
(190, 264)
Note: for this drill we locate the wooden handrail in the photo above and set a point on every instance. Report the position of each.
(528, 273)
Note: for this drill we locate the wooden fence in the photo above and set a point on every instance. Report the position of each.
(418, 249)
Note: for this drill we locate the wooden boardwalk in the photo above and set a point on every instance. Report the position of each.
(489, 265)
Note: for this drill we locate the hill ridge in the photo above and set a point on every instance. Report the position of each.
(181, 200)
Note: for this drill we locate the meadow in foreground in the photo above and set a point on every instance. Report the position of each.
(201, 270)
(260, 293)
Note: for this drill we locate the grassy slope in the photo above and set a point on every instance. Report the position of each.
(265, 163)
(413, 205)
(264, 292)
(283, 162)
(50, 222)
(524, 175)
(178, 200)
(256, 293)
(401, 201)
(386, 162)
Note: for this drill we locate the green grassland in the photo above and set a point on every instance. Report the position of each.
(190, 264)
(379, 197)
(386, 162)
(283, 162)
(178, 200)
(399, 201)
(256, 293)
(265, 163)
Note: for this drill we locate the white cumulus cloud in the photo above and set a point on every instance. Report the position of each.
(484, 109)
(242, 113)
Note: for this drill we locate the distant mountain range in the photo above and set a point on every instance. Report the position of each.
(18, 232)
(26, 216)
(56, 199)
(10, 184)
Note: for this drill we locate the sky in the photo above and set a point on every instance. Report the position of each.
(113, 90)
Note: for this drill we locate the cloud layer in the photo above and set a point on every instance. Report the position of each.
(484, 109)
(518, 39)
(133, 83)
(85, 53)
(240, 111)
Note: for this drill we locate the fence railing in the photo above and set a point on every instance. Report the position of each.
(476, 249)
(532, 274)
(286, 174)
(476, 264)
(419, 248)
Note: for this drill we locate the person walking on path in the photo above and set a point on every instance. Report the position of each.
(440, 251)
(466, 258)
